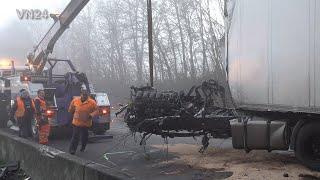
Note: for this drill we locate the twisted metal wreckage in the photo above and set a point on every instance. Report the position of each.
(202, 111)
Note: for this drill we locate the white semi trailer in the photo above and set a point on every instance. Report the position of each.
(273, 67)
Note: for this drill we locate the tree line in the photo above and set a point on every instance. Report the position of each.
(109, 41)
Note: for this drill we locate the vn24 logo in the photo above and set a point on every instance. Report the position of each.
(32, 14)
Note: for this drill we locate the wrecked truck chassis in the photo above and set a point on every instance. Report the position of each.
(179, 126)
(202, 111)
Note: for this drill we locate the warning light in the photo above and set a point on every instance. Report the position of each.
(49, 113)
(5, 64)
(25, 78)
(105, 110)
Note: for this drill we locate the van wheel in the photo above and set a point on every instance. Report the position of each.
(308, 146)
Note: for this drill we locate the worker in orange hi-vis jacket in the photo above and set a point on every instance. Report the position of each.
(83, 109)
(23, 111)
(42, 120)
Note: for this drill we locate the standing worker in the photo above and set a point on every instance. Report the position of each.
(83, 109)
(23, 111)
(42, 120)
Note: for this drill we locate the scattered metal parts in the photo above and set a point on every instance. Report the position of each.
(46, 151)
(12, 171)
(121, 110)
(105, 155)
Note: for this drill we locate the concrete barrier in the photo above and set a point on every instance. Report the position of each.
(43, 162)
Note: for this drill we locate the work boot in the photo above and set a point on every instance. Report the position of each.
(82, 148)
(71, 151)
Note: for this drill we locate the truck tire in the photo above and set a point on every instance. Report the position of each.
(308, 146)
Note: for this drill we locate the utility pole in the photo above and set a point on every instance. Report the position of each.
(150, 40)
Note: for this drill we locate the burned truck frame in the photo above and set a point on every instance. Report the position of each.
(201, 111)
(271, 76)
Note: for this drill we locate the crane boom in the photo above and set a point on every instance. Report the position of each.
(38, 58)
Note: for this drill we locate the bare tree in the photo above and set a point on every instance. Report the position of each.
(108, 41)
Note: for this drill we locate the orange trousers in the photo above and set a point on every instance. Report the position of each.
(44, 131)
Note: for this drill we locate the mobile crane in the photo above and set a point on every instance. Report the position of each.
(60, 89)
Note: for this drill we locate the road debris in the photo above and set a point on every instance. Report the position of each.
(12, 171)
(46, 151)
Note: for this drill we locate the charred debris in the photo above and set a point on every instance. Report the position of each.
(202, 111)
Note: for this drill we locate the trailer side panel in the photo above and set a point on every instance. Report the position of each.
(274, 53)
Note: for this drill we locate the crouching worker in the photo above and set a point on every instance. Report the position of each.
(83, 110)
(42, 120)
(23, 111)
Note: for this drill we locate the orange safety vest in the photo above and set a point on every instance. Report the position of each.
(43, 105)
(20, 108)
(82, 110)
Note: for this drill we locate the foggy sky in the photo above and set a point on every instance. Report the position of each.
(15, 41)
(15, 34)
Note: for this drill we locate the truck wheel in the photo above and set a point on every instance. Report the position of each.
(308, 146)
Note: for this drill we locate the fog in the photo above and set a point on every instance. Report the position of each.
(15, 41)
(108, 41)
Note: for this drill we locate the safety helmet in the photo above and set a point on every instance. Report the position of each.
(84, 89)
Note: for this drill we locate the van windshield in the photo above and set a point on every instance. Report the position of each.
(33, 88)
(102, 99)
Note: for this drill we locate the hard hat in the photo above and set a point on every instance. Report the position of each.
(84, 89)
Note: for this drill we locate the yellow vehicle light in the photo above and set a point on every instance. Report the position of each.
(5, 63)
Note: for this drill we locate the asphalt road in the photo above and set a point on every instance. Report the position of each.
(180, 159)
(124, 153)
